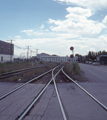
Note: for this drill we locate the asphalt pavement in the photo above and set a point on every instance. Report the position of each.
(97, 74)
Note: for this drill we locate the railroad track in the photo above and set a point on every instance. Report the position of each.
(32, 80)
(89, 94)
(17, 72)
(39, 95)
(55, 71)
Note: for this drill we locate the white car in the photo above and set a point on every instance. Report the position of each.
(90, 62)
(96, 63)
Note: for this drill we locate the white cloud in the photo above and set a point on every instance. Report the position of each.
(17, 37)
(105, 20)
(40, 33)
(91, 4)
(28, 32)
(42, 26)
(60, 46)
(77, 23)
(32, 32)
(79, 11)
(103, 38)
(75, 30)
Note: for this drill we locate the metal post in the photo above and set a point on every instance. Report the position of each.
(36, 52)
(28, 52)
(11, 50)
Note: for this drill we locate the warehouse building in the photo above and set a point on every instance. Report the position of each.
(54, 58)
(6, 52)
(102, 59)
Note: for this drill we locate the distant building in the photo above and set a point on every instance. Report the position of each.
(102, 59)
(40, 56)
(54, 58)
(6, 51)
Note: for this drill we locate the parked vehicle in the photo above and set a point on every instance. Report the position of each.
(87, 62)
(96, 64)
(90, 62)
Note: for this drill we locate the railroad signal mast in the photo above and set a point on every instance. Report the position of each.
(71, 56)
(72, 49)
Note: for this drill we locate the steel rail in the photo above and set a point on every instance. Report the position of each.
(102, 105)
(17, 71)
(5, 95)
(13, 73)
(31, 105)
(59, 100)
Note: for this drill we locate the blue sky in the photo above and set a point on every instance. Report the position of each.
(53, 26)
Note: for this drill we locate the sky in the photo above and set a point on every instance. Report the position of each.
(53, 26)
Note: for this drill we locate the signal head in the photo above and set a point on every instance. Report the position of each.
(71, 56)
(71, 48)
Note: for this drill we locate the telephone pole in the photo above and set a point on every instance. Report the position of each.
(11, 50)
(31, 53)
(27, 52)
(36, 52)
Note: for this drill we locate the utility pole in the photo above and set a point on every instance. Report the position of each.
(27, 52)
(36, 52)
(31, 53)
(11, 50)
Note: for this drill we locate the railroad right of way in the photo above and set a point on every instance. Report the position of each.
(59, 101)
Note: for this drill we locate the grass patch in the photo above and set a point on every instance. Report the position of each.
(24, 77)
(72, 68)
(2, 71)
(9, 66)
(74, 71)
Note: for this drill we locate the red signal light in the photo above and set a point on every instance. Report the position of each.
(71, 48)
(71, 56)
